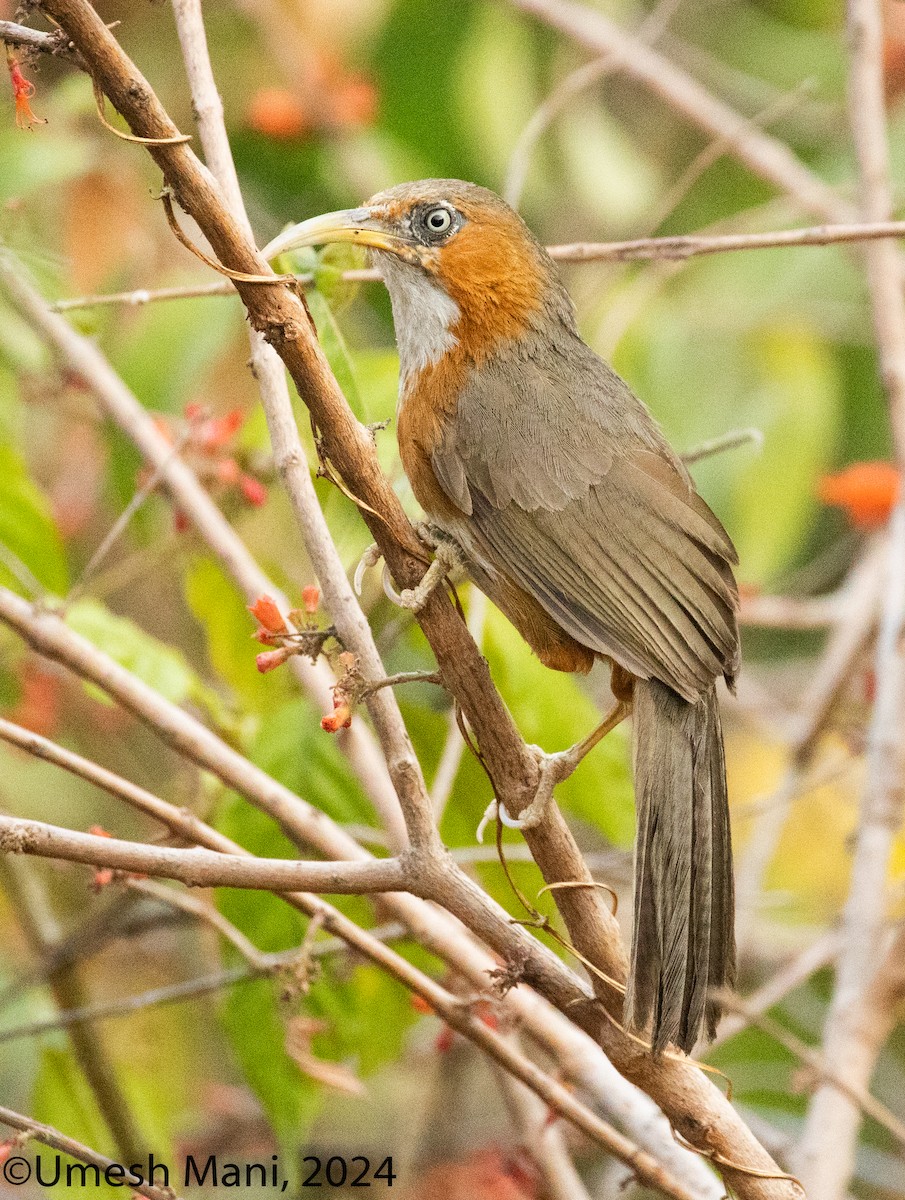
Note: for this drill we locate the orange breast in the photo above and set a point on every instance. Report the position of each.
(427, 406)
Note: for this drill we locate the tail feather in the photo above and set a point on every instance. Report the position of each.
(683, 945)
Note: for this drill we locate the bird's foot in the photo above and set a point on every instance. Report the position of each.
(446, 558)
(553, 769)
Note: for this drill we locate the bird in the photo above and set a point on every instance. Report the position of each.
(570, 510)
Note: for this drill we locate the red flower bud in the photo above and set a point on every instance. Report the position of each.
(271, 659)
(228, 471)
(253, 490)
(340, 718)
(311, 598)
(218, 431)
(194, 412)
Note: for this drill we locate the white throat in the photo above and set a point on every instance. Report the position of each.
(424, 316)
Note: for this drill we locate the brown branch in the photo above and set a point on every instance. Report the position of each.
(49, 1136)
(34, 913)
(685, 1091)
(201, 868)
(84, 358)
(32, 837)
(291, 463)
(278, 314)
(429, 925)
(34, 39)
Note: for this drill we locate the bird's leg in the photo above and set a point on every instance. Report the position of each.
(554, 768)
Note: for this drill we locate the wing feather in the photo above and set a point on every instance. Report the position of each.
(576, 498)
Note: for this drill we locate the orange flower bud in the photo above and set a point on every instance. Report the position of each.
(99, 831)
(269, 616)
(277, 113)
(866, 491)
(23, 90)
(340, 718)
(311, 598)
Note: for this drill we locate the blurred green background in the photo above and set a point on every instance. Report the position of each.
(327, 102)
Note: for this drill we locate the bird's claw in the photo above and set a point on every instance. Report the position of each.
(370, 558)
(446, 557)
(554, 768)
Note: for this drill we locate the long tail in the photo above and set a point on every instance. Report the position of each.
(683, 942)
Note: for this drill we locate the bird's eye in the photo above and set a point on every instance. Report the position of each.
(438, 221)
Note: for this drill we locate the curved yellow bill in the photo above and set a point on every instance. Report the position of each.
(349, 225)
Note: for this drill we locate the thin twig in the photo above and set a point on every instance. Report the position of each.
(66, 1145)
(186, 989)
(789, 977)
(695, 1105)
(565, 91)
(291, 463)
(84, 358)
(542, 1140)
(818, 1063)
(204, 911)
(35, 39)
(675, 248)
(119, 525)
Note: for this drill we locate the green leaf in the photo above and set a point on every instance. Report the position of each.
(159, 666)
(27, 529)
(253, 1022)
(62, 1098)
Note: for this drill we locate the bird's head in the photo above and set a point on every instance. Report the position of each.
(461, 266)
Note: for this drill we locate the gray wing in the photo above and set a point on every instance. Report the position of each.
(578, 500)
